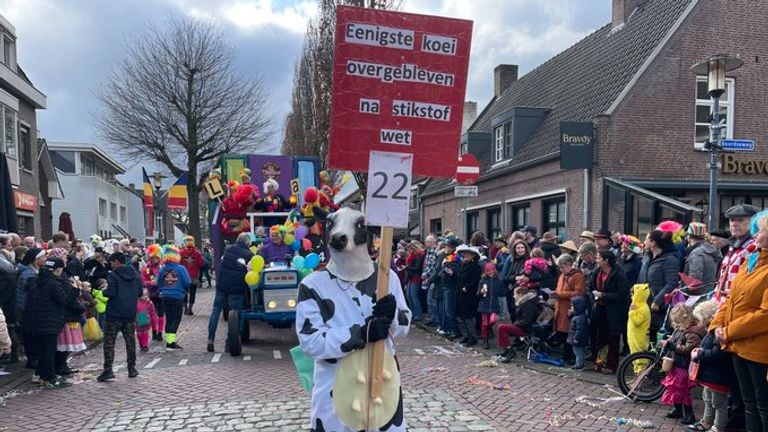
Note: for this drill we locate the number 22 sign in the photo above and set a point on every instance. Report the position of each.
(389, 188)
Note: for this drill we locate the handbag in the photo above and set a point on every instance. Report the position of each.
(92, 330)
(142, 319)
(305, 368)
(693, 370)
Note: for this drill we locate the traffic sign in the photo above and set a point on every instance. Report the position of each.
(738, 145)
(468, 169)
(465, 191)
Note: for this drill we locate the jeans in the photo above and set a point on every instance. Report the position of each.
(432, 304)
(45, 347)
(449, 308)
(754, 392)
(507, 330)
(715, 408)
(578, 351)
(413, 299)
(128, 329)
(222, 299)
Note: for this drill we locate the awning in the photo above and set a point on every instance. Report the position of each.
(653, 195)
(722, 185)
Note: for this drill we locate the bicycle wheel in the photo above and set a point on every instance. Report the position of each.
(639, 376)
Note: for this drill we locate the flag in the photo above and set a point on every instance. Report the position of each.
(149, 205)
(177, 194)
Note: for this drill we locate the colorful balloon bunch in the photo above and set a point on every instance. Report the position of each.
(253, 277)
(307, 264)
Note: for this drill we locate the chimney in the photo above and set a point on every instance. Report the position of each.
(622, 9)
(470, 114)
(503, 76)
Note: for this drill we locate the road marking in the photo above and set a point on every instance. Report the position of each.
(152, 364)
(276, 354)
(183, 362)
(246, 358)
(442, 350)
(91, 366)
(216, 358)
(419, 351)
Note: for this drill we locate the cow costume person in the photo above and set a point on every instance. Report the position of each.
(337, 315)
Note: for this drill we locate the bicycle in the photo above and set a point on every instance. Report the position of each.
(639, 374)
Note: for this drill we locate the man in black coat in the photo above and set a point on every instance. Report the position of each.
(123, 290)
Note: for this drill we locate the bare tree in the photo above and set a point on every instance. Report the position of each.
(176, 98)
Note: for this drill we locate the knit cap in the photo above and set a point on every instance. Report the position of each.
(154, 250)
(171, 254)
(697, 229)
(489, 267)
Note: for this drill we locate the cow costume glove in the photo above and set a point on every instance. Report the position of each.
(385, 307)
(375, 329)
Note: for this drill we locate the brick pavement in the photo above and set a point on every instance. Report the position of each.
(445, 390)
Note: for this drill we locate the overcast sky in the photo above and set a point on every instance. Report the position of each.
(68, 47)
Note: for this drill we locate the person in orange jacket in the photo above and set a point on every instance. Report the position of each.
(193, 261)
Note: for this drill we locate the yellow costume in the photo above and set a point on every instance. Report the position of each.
(639, 322)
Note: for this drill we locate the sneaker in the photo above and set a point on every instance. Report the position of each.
(577, 367)
(470, 342)
(453, 336)
(106, 376)
(441, 332)
(209, 347)
(173, 347)
(51, 385)
(464, 340)
(507, 358)
(36, 379)
(132, 372)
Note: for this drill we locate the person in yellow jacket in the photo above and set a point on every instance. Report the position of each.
(639, 323)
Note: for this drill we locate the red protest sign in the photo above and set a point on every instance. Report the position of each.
(398, 86)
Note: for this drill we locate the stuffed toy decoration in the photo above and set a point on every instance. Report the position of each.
(272, 201)
(245, 175)
(235, 207)
(337, 321)
(313, 212)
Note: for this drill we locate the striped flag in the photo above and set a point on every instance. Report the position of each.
(149, 199)
(177, 194)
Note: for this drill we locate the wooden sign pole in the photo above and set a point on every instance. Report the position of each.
(382, 289)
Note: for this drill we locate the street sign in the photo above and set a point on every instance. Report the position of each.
(465, 191)
(468, 169)
(398, 86)
(743, 145)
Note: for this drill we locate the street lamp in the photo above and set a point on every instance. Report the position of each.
(157, 180)
(715, 69)
(157, 183)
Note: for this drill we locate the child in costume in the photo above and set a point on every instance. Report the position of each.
(145, 316)
(149, 280)
(491, 288)
(639, 323)
(100, 305)
(174, 282)
(684, 339)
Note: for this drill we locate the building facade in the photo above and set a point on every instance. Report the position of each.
(632, 80)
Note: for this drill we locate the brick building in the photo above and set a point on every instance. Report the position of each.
(632, 79)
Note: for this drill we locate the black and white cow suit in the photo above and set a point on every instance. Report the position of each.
(329, 318)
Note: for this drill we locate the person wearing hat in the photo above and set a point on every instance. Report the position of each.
(529, 231)
(742, 245)
(466, 296)
(30, 266)
(499, 252)
(720, 240)
(449, 279)
(701, 258)
(569, 247)
(631, 258)
(44, 318)
(603, 240)
(587, 237)
(96, 266)
(174, 282)
(193, 261)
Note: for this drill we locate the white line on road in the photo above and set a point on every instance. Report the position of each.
(152, 364)
(276, 354)
(419, 351)
(183, 362)
(246, 358)
(216, 358)
(442, 350)
(91, 366)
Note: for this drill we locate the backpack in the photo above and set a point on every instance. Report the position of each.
(142, 319)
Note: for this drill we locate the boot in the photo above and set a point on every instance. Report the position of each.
(677, 412)
(688, 417)
(106, 376)
(188, 310)
(487, 345)
(154, 335)
(508, 356)
(132, 372)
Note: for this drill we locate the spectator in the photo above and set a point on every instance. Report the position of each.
(719, 239)
(205, 272)
(489, 292)
(414, 266)
(96, 266)
(586, 237)
(527, 312)
(609, 320)
(529, 231)
(578, 332)
(701, 259)
(569, 247)
(603, 240)
(660, 271)
(587, 259)
(193, 261)
(480, 242)
(513, 268)
(5, 339)
(548, 244)
(75, 265)
(29, 268)
(19, 253)
(631, 258)
(742, 245)
(466, 297)
(30, 242)
(230, 285)
(570, 284)
(741, 327)
(60, 240)
(8, 297)
(449, 275)
(499, 252)
(428, 271)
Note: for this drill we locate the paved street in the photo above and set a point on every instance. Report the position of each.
(445, 390)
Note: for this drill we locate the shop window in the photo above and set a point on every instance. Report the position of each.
(704, 109)
(436, 226)
(521, 216)
(669, 213)
(643, 216)
(102, 208)
(25, 141)
(554, 217)
(617, 204)
(493, 223)
(472, 219)
(64, 161)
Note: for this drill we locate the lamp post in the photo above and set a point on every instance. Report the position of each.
(715, 68)
(157, 183)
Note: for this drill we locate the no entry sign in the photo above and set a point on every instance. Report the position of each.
(398, 86)
(468, 169)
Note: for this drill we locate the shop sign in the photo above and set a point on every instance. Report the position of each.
(576, 145)
(25, 201)
(733, 165)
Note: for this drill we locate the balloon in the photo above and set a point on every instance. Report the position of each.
(305, 272)
(289, 239)
(301, 232)
(312, 261)
(257, 263)
(252, 278)
(306, 244)
(296, 245)
(253, 249)
(298, 262)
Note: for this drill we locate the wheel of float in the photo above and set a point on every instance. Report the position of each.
(233, 334)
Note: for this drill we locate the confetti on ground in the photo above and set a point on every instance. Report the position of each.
(596, 402)
(490, 363)
(15, 393)
(429, 370)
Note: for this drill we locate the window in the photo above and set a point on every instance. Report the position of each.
(508, 140)
(554, 217)
(113, 211)
(87, 165)
(493, 223)
(123, 214)
(704, 109)
(643, 217)
(498, 152)
(8, 51)
(64, 161)
(102, 207)
(9, 135)
(25, 141)
(436, 226)
(521, 216)
(472, 223)
(413, 203)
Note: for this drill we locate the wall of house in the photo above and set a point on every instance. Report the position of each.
(82, 203)
(28, 179)
(135, 215)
